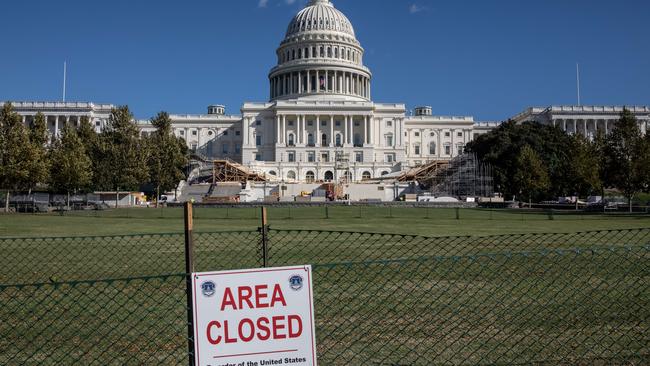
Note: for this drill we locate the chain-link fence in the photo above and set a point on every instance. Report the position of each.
(581, 298)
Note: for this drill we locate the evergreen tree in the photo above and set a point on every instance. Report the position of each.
(531, 175)
(627, 153)
(121, 154)
(15, 152)
(39, 162)
(71, 168)
(167, 159)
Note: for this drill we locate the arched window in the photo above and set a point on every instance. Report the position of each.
(366, 176)
(432, 148)
(310, 140)
(323, 140)
(336, 52)
(347, 177)
(291, 140)
(310, 177)
(300, 53)
(291, 175)
(329, 52)
(384, 173)
(322, 51)
(293, 55)
(348, 58)
(273, 173)
(338, 140)
(329, 176)
(306, 52)
(313, 51)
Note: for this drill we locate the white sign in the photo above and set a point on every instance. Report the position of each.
(254, 317)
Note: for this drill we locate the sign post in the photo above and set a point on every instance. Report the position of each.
(254, 317)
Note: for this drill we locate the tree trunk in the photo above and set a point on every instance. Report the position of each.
(7, 202)
(157, 195)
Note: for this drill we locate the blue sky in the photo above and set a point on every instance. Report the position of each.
(487, 59)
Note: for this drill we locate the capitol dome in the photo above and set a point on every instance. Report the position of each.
(320, 58)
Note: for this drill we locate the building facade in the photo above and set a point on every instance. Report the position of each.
(320, 122)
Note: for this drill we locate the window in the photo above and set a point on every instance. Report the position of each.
(291, 140)
(258, 140)
(224, 149)
(358, 157)
(237, 149)
(384, 173)
(338, 140)
(182, 133)
(389, 158)
(417, 134)
(366, 176)
(273, 173)
(357, 140)
(225, 133)
(258, 157)
(416, 149)
(447, 150)
(357, 124)
(237, 133)
(323, 123)
(210, 133)
(447, 134)
(291, 156)
(258, 123)
(98, 123)
(310, 123)
(432, 148)
(323, 140)
(461, 149)
(325, 157)
(194, 133)
(338, 124)
(460, 134)
(433, 134)
(291, 175)
(389, 123)
(290, 123)
(329, 176)
(311, 156)
(310, 177)
(310, 140)
(389, 140)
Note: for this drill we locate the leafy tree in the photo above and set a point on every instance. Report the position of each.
(15, 152)
(90, 139)
(166, 158)
(39, 162)
(121, 154)
(531, 176)
(585, 172)
(71, 167)
(627, 152)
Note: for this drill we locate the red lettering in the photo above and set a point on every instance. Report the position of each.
(245, 294)
(228, 300)
(261, 295)
(277, 326)
(263, 326)
(278, 296)
(217, 340)
(251, 330)
(293, 333)
(226, 333)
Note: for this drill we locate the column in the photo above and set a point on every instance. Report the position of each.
(308, 82)
(327, 81)
(299, 82)
(317, 81)
(439, 143)
(304, 130)
(278, 130)
(584, 123)
(56, 126)
(284, 130)
(198, 135)
(453, 142)
(345, 130)
(366, 130)
(606, 127)
(317, 138)
(331, 131)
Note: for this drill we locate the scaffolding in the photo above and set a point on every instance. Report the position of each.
(464, 176)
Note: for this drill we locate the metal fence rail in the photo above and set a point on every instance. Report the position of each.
(579, 298)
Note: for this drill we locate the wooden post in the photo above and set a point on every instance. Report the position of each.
(189, 270)
(265, 238)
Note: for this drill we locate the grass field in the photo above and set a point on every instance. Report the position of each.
(414, 221)
(380, 299)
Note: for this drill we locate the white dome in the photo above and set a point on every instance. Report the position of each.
(320, 16)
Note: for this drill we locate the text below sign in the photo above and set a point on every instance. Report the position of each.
(254, 317)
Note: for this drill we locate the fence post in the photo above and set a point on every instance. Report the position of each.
(327, 212)
(457, 213)
(189, 269)
(265, 238)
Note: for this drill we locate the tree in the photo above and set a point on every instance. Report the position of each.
(90, 139)
(166, 158)
(39, 162)
(15, 152)
(71, 168)
(121, 154)
(584, 172)
(531, 176)
(627, 152)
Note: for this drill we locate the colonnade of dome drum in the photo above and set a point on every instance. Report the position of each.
(321, 80)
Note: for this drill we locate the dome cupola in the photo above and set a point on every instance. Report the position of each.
(320, 57)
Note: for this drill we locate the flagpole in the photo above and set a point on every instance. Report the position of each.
(65, 71)
(578, 82)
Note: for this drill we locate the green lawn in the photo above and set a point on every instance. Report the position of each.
(510, 298)
(418, 221)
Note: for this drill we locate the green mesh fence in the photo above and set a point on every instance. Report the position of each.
(581, 298)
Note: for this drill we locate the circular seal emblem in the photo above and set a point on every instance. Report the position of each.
(295, 282)
(208, 288)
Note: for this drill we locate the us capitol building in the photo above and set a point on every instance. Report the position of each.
(320, 122)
